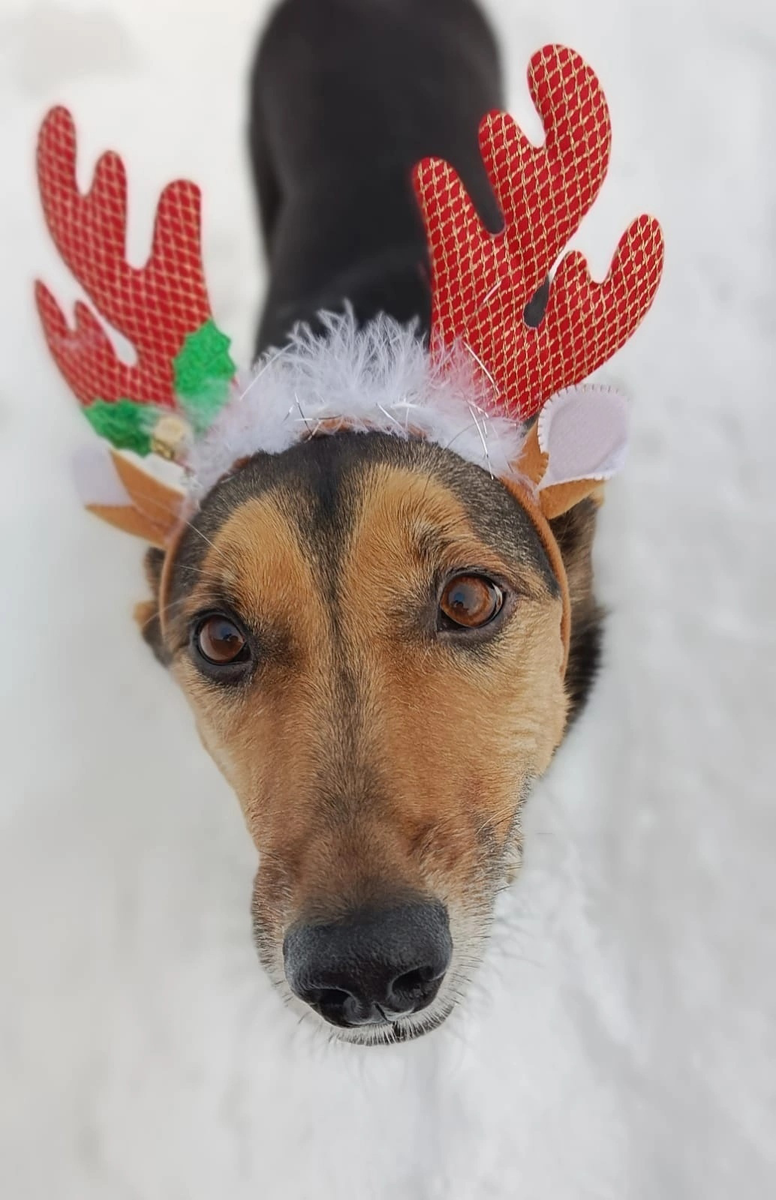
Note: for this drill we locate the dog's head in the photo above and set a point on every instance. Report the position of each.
(368, 632)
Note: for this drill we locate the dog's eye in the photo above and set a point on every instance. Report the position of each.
(470, 601)
(220, 642)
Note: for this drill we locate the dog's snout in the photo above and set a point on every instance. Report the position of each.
(372, 967)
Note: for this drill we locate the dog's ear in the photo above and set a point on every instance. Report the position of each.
(574, 531)
(575, 445)
(147, 612)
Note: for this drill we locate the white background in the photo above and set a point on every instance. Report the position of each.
(619, 1041)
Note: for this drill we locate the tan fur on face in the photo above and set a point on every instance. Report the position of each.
(371, 756)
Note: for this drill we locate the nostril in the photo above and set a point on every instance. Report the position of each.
(414, 989)
(413, 981)
(331, 997)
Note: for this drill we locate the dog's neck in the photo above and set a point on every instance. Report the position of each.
(340, 113)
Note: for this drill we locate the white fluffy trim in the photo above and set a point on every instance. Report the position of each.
(379, 377)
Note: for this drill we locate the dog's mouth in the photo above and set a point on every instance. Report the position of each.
(398, 1030)
(386, 1030)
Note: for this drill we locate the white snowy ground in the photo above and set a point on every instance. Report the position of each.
(619, 1042)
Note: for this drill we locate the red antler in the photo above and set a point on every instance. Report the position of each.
(154, 306)
(481, 282)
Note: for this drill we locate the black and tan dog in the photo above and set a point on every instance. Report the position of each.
(367, 627)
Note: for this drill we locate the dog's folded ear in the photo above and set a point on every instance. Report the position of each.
(574, 531)
(147, 612)
(575, 445)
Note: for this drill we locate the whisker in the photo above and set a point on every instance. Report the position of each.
(148, 500)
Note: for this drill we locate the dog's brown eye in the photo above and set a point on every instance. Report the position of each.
(471, 601)
(219, 641)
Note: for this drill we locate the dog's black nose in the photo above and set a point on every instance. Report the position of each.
(372, 967)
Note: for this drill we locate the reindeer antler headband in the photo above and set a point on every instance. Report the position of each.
(484, 365)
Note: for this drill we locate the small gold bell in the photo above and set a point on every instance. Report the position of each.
(170, 437)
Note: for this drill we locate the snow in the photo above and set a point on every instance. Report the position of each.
(619, 1041)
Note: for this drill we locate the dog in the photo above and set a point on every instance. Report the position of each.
(373, 578)
(366, 627)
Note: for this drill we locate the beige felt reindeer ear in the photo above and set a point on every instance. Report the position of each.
(578, 442)
(127, 495)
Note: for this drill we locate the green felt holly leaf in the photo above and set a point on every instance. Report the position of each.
(124, 423)
(203, 370)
